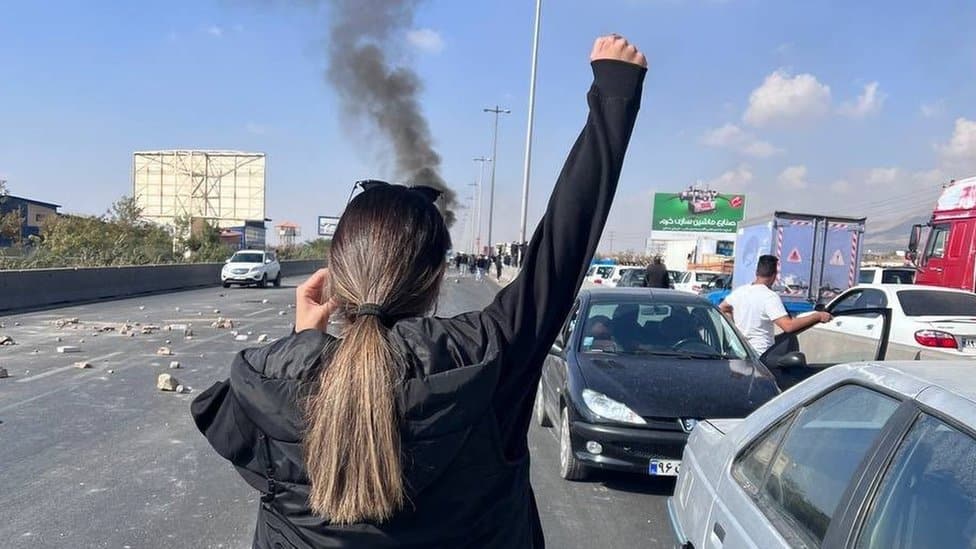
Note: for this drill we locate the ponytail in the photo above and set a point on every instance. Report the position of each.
(352, 452)
(386, 263)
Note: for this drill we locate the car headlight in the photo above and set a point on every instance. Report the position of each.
(256, 269)
(607, 408)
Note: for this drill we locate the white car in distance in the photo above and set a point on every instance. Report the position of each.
(248, 267)
(693, 281)
(607, 275)
(886, 275)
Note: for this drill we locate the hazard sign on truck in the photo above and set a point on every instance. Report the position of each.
(820, 256)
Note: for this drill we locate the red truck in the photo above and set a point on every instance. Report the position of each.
(949, 256)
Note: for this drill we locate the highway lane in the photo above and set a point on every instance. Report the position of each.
(99, 458)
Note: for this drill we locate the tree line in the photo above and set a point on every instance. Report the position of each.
(121, 236)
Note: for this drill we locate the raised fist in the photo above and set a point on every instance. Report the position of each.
(617, 47)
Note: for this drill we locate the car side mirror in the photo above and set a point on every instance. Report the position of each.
(227, 262)
(820, 307)
(556, 349)
(795, 359)
(914, 238)
(267, 261)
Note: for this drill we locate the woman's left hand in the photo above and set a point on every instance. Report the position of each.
(310, 311)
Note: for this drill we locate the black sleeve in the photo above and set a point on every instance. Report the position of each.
(530, 311)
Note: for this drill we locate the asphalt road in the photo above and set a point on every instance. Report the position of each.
(99, 458)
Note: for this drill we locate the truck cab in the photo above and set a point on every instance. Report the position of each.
(948, 258)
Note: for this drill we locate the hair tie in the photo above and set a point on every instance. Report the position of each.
(372, 309)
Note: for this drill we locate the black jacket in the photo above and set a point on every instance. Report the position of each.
(656, 276)
(466, 401)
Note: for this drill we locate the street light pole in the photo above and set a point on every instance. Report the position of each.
(528, 133)
(494, 162)
(481, 174)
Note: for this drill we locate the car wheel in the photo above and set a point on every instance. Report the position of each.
(277, 280)
(570, 468)
(264, 281)
(226, 284)
(540, 409)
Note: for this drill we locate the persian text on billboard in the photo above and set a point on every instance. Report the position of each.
(696, 210)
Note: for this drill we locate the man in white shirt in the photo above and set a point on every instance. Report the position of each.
(756, 309)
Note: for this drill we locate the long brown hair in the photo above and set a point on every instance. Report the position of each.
(389, 250)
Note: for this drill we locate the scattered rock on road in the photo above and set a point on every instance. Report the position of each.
(241, 337)
(3, 373)
(174, 365)
(62, 322)
(262, 338)
(282, 313)
(223, 324)
(164, 351)
(7, 340)
(69, 349)
(265, 301)
(83, 365)
(166, 382)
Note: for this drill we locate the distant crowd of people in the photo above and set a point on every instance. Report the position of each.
(478, 265)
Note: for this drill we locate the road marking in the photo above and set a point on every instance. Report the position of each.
(33, 398)
(256, 313)
(53, 371)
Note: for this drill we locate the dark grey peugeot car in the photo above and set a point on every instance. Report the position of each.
(632, 372)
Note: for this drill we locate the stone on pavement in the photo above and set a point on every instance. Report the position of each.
(166, 382)
(241, 337)
(164, 351)
(69, 349)
(3, 373)
(262, 338)
(83, 365)
(7, 340)
(174, 365)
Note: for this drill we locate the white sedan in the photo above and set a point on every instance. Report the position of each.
(926, 321)
(693, 281)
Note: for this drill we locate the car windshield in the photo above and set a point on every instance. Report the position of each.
(247, 257)
(704, 277)
(604, 271)
(676, 275)
(936, 303)
(866, 276)
(659, 328)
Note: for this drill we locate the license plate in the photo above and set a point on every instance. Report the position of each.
(663, 468)
(969, 343)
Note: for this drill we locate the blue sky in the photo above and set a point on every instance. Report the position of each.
(840, 107)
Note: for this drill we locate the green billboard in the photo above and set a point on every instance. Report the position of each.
(698, 211)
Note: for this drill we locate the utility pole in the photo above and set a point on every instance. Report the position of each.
(528, 133)
(481, 174)
(494, 162)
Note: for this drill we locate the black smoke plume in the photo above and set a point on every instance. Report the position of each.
(363, 32)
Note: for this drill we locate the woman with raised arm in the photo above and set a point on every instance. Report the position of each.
(410, 430)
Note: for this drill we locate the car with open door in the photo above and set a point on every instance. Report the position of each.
(875, 455)
(927, 322)
(796, 356)
(631, 373)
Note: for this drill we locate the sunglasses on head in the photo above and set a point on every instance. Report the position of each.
(429, 193)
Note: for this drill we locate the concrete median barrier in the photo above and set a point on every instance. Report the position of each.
(38, 288)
